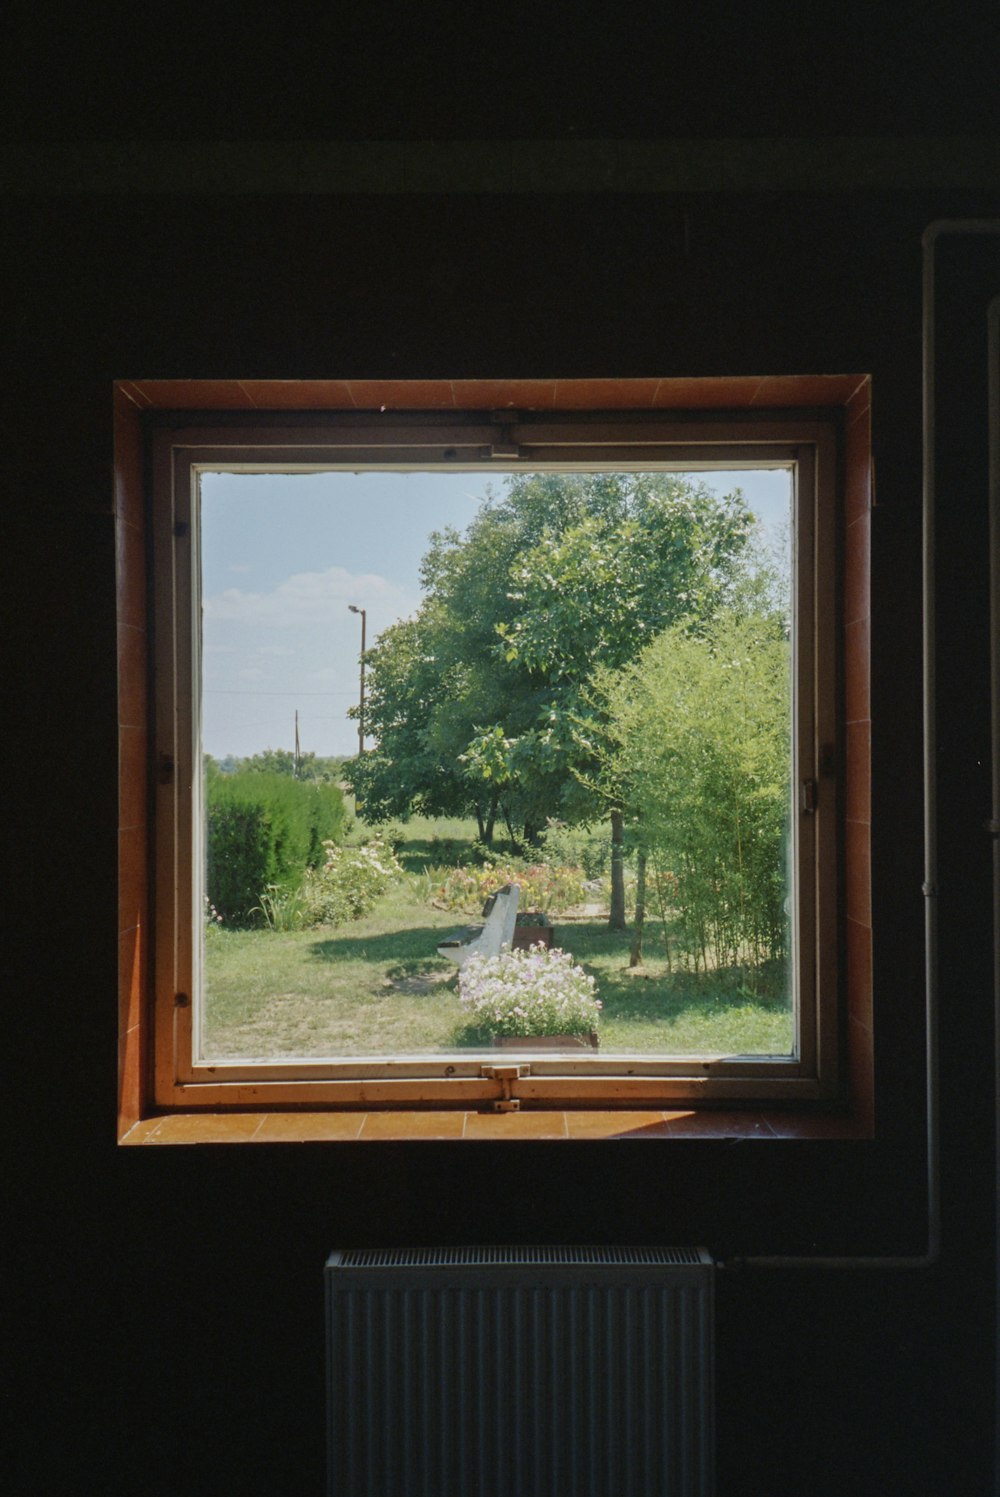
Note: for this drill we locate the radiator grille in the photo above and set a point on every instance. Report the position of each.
(498, 1256)
(586, 1374)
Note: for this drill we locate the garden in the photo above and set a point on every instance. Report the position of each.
(373, 984)
(592, 703)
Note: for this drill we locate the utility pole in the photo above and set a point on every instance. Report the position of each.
(298, 756)
(361, 695)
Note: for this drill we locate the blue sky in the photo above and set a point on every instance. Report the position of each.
(283, 557)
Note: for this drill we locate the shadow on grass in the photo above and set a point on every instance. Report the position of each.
(413, 948)
(653, 995)
(654, 998)
(423, 853)
(433, 852)
(664, 1004)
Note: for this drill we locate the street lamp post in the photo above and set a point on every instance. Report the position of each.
(361, 698)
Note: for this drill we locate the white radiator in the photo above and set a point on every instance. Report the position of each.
(520, 1372)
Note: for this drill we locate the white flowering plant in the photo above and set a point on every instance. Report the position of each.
(349, 884)
(537, 991)
(213, 920)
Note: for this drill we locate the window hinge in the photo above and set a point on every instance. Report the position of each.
(810, 795)
(507, 1076)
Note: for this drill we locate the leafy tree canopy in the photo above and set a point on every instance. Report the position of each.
(473, 702)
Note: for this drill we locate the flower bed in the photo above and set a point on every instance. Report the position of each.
(543, 885)
(538, 991)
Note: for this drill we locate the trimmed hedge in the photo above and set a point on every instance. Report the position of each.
(265, 829)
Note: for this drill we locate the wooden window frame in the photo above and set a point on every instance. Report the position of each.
(159, 1070)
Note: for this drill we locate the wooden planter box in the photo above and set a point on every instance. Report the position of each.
(533, 929)
(546, 1041)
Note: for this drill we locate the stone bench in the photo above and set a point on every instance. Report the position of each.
(500, 911)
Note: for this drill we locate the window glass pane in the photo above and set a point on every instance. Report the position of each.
(575, 686)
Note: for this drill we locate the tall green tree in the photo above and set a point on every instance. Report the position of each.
(648, 551)
(475, 703)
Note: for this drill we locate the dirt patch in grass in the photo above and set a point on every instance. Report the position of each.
(419, 984)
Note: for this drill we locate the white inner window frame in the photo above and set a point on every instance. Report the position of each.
(184, 445)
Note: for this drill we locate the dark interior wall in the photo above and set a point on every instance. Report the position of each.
(168, 1330)
(388, 71)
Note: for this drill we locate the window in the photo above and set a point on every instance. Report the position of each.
(193, 1069)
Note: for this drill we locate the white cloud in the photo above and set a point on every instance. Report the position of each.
(293, 648)
(309, 598)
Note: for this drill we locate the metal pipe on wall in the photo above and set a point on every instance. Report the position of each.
(924, 1260)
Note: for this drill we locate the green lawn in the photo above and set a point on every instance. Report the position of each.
(376, 986)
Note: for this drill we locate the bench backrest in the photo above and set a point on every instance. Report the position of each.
(500, 920)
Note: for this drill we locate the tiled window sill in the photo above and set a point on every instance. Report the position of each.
(351, 1127)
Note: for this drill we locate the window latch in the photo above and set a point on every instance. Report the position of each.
(504, 444)
(810, 796)
(507, 1076)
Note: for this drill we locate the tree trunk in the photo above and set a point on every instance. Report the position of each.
(515, 845)
(485, 826)
(491, 821)
(658, 885)
(616, 919)
(635, 955)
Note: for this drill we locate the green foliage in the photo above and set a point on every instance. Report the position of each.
(577, 847)
(407, 771)
(282, 761)
(657, 550)
(472, 702)
(702, 728)
(349, 884)
(280, 909)
(262, 831)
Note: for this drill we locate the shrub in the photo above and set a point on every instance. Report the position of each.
(704, 723)
(533, 992)
(349, 883)
(264, 830)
